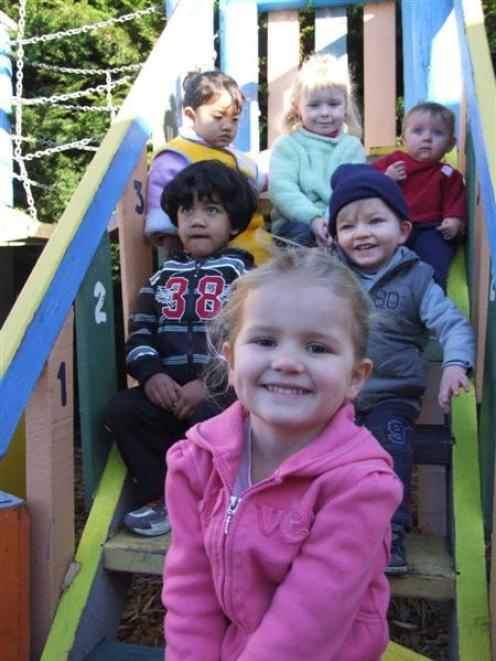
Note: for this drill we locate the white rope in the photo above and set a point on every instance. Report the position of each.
(93, 26)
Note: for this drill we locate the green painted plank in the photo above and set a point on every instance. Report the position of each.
(472, 612)
(487, 420)
(96, 364)
(89, 555)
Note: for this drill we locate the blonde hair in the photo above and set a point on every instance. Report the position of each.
(307, 265)
(319, 72)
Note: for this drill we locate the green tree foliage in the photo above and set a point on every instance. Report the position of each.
(112, 46)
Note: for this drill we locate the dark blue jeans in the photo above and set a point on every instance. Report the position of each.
(144, 432)
(393, 425)
(430, 246)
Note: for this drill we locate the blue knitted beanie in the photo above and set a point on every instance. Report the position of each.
(351, 182)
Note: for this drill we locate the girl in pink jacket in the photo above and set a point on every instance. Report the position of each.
(281, 505)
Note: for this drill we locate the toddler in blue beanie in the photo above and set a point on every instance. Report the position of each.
(369, 221)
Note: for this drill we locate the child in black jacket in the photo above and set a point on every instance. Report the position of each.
(166, 350)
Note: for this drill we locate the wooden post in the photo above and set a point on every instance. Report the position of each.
(14, 579)
(432, 505)
(283, 57)
(135, 254)
(50, 482)
(96, 364)
(379, 55)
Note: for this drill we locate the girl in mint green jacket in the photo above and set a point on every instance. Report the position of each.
(323, 132)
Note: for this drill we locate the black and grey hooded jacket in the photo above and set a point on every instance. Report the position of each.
(167, 330)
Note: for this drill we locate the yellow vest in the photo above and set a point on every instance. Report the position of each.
(195, 151)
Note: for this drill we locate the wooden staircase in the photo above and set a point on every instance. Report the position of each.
(448, 558)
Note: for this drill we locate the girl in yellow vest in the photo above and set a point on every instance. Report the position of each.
(212, 104)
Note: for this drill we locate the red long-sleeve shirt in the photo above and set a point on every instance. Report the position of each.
(433, 191)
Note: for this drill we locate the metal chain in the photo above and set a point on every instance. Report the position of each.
(94, 26)
(108, 78)
(37, 184)
(75, 144)
(18, 114)
(71, 106)
(86, 72)
(43, 100)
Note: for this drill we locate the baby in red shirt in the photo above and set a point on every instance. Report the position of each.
(434, 190)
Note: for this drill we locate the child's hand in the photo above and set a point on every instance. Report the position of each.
(320, 227)
(450, 227)
(191, 394)
(454, 377)
(396, 171)
(162, 391)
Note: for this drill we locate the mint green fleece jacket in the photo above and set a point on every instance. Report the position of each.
(301, 165)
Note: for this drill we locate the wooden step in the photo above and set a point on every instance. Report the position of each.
(431, 572)
(134, 553)
(110, 650)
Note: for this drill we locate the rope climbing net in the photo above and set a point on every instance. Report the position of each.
(46, 147)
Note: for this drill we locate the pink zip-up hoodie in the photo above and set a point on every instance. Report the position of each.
(296, 571)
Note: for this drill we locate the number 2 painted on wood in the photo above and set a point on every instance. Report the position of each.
(99, 293)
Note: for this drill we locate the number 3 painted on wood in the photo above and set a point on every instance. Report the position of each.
(139, 208)
(99, 293)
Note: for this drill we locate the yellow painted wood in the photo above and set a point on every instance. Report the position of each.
(50, 482)
(283, 56)
(379, 27)
(89, 554)
(472, 612)
(132, 553)
(483, 72)
(395, 652)
(13, 464)
(481, 276)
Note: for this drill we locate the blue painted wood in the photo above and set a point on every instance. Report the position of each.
(331, 29)
(8, 500)
(170, 6)
(6, 162)
(238, 27)
(486, 186)
(25, 368)
(431, 60)
(113, 651)
(282, 5)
